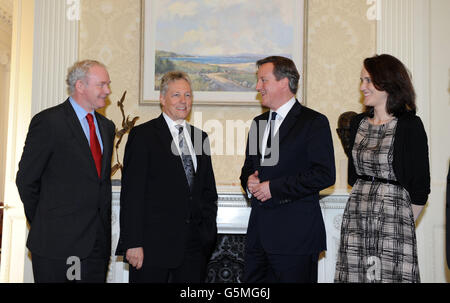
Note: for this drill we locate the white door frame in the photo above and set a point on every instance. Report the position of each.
(14, 223)
(40, 28)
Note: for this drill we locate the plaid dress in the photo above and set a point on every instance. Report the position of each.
(378, 239)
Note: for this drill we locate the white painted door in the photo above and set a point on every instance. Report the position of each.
(15, 264)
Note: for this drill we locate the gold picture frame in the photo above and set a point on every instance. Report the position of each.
(149, 95)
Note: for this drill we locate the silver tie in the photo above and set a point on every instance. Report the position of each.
(186, 158)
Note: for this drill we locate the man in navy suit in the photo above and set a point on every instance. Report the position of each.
(168, 201)
(289, 159)
(64, 181)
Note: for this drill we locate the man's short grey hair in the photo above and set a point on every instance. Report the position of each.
(170, 77)
(79, 71)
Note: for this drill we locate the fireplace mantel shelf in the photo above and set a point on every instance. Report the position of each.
(232, 218)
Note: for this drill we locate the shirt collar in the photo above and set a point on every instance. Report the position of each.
(79, 111)
(172, 123)
(283, 111)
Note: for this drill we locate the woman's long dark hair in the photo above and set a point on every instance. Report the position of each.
(390, 75)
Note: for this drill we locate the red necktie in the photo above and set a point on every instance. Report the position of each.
(95, 145)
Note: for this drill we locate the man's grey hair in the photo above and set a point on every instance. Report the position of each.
(170, 77)
(80, 71)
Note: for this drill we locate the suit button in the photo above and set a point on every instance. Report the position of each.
(188, 221)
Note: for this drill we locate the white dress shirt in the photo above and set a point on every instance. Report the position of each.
(174, 131)
(81, 114)
(282, 112)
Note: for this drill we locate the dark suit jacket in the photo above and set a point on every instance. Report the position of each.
(156, 203)
(291, 222)
(64, 200)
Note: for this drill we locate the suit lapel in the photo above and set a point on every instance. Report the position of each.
(197, 143)
(288, 124)
(164, 133)
(261, 128)
(77, 130)
(290, 120)
(78, 133)
(167, 139)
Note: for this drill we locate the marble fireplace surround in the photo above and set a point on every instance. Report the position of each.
(232, 219)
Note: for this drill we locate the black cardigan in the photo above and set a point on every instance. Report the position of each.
(411, 164)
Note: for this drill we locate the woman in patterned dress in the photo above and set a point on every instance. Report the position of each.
(389, 172)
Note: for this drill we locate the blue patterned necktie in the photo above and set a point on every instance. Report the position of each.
(186, 158)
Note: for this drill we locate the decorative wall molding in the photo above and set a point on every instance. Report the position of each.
(403, 30)
(406, 30)
(394, 29)
(14, 266)
(55, 50)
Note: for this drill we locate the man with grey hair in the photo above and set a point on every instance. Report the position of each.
(64, 181)
(168, 200)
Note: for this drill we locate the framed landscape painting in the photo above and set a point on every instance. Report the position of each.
(217, 43)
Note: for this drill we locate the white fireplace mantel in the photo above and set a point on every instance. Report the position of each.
(232, 218)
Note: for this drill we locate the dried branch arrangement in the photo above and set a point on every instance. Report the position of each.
(127, 125)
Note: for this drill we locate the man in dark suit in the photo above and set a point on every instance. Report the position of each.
(289, 159)
(168, 202)
(64, 181)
